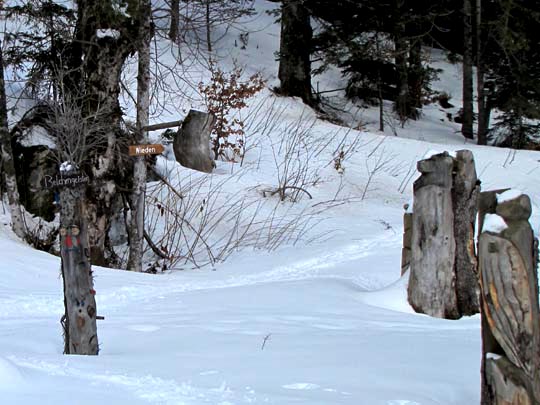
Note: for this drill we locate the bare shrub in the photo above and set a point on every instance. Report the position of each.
(300, 154)
(40, 234)
(225, 96)
(76, 133)
(203, 223)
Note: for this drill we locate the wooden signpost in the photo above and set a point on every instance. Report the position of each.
(140, 150)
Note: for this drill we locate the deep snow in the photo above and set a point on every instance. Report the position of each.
(321, 323)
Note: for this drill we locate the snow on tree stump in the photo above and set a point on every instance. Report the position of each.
(192, 142)
(443, 279)
(79, 320)
(508, 262)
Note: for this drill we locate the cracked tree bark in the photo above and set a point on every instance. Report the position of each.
(443, 279)
(95, 66)
(80, 329)
(294, 52)
(136, 226)
(17, 220)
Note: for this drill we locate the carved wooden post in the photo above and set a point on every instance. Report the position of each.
(443, 279)
(510, 307)
(431, 287)
(192, 142)
(79, 320)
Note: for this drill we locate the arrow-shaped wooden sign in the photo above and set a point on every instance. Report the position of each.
(138, 150)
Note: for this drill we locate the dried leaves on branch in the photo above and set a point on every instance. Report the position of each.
(226, 95)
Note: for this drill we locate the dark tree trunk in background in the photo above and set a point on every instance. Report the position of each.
(483, 115)
(403, 105)
(294, 51)
(7, 163)
(79, 321)
(416, 73)
(467, 125)
(208, 27)
(175, 20)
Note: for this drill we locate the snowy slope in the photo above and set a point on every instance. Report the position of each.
(319, 324)
(196, 337)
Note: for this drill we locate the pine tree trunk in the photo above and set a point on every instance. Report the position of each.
(480, 91)
(208, 27)
(80, 329)
(467, 125)
(379, 85)
(8, 166)
(136, 226)
(415, 74)
(175, 20)
(403, 105)
(294, 53)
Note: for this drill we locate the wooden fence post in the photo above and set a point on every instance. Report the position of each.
(510, 308)
(407, 240)
(431, 281)
(79, 320)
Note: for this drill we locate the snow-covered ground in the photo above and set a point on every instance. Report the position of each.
(323, 323)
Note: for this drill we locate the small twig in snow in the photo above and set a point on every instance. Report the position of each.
(266, 338)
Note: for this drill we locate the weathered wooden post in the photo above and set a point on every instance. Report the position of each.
(79, 320)
(192, 142)
(508, 263)
(407, 240)
(465, 194)
(431, 287)
(443, 279)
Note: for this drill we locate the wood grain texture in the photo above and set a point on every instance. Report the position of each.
(79, 300)
(465, 192)
(510, 306)
(192, 142)
(431, 287)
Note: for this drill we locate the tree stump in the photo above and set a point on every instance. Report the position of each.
(79, 321)
(443, 279)
(192, 142)
(510, 307)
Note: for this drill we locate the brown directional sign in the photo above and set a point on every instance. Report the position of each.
(138, 150)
